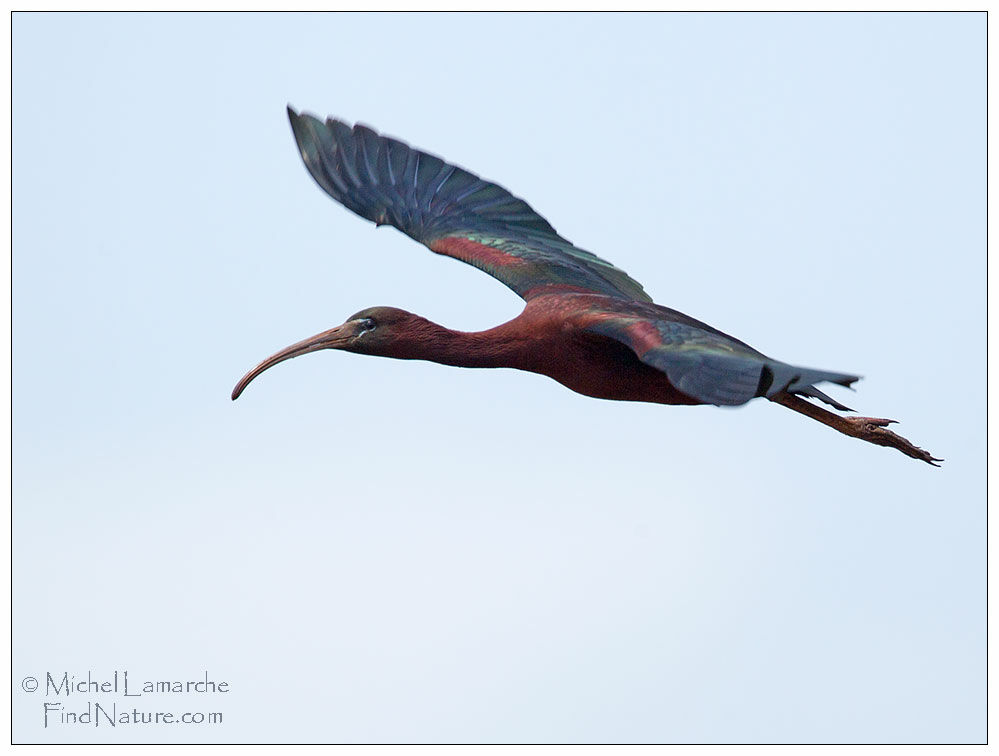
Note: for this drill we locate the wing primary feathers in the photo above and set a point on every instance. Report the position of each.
(386, 181)
(446, 174)
(369, 145)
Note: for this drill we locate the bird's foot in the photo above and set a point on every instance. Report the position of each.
(874, 430)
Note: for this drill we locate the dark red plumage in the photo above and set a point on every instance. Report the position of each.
(586, 324)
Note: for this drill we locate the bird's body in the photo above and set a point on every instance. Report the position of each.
(585, 361)
(586, 324)
(549, 337)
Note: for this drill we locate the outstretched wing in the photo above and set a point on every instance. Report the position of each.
(707, 364)
(451, 211)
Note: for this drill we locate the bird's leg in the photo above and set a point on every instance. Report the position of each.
(871, 429)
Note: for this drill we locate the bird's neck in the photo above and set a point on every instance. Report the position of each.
(426, 340)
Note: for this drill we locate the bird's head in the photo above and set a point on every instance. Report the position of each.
(374, 330)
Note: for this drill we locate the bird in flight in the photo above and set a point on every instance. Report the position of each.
(587, 324)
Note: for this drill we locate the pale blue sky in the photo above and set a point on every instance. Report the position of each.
(375, 550)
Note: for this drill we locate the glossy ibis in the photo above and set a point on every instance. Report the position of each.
(586, 324)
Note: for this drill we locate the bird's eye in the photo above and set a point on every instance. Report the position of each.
(367, 324)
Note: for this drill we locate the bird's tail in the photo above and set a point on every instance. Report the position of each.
(779, 376)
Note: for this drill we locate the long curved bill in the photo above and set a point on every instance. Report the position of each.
(335, 338)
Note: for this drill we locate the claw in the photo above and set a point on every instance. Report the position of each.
(879, 421)
(871, 429)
